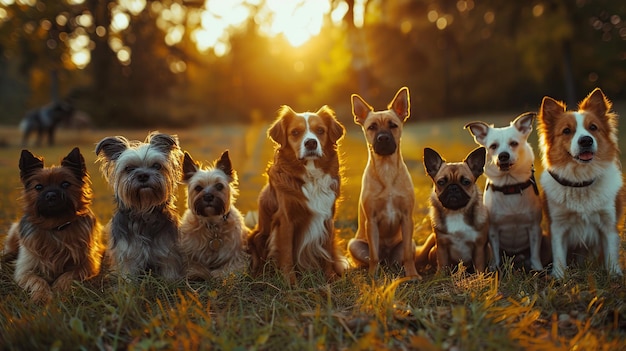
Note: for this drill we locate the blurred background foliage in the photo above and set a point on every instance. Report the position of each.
(179, 63)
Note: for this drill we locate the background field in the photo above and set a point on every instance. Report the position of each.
(459, 312)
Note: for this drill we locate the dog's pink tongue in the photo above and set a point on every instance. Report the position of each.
(586, 156)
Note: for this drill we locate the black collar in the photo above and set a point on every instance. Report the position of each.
(566, 182)
(515, 188)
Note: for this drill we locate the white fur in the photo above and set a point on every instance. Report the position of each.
(318, 189)
(460, 233)
(581, 132)
(308, 135)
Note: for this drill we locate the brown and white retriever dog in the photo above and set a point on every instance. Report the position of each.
(297, 205)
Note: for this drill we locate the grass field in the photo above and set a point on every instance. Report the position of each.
(517, 310)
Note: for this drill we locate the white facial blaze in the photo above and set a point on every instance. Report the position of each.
(309, 135)
(581, 131)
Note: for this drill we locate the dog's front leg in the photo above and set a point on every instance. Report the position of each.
(494, 240)
(534, 234)
(408, 248)
(479, 256)
(282, 249)
(443, 256)
(559, 251)
(611, 245)
(373, 235)
(26, 278)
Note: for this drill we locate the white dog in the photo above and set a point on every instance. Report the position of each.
(511, 195)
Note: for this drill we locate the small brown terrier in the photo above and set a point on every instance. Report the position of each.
(385, 231)
(457, 214)
(212, 233)
(58, 239)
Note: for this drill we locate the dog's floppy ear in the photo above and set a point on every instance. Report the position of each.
(401, 104)
(476, 161)
(432, 162)
(479, 131)
(190, 167)
(225, 165)
(335, 129)
(163, 142)
(277, 130)
(524, 122)
(76, 162)
(596, 102)
(29, 163)
(112, 147)
(360, 109)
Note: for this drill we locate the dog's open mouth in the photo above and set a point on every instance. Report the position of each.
(505, 166)
(586, 156)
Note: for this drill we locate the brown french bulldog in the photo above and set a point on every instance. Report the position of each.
(457, 214)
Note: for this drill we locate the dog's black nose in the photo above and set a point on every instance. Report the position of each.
(585, 141)
(51, 196)
(383, 137)
(504, 156)
(310, 144)
(208, 197)
(143, 177)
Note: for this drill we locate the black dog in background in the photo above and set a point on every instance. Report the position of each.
(44, 120)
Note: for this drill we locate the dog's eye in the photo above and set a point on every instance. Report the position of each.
(157, 166)
(514, 144)
(593, 127)
(441, 182)
(295, 132)
(466, 182)
(65, 185)
(219, 186)
(129, 169)
(320, 131)
(372, 126)
(38, 187)
(198, 188)
(567, 131)
(392, 125)
(493, 146)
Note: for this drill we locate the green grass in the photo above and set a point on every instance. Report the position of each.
(586, 311)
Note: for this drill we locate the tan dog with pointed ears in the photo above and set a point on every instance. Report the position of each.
(385, 231)
(582, 180)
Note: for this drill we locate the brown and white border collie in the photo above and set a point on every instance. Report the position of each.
(582, 180)
(295, 228)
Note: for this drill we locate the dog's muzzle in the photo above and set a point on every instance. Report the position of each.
(504, 161)
(586, 149)
(384, 144)
(453, 197)
(310, 149)
(52, 202)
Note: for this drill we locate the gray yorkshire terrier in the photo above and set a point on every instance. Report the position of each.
(144, 228)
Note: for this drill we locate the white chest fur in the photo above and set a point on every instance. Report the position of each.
(461, 235)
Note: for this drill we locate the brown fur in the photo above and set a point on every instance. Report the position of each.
(212, 233)
(456, 238)
(385, 223)
(285, 232)
(53, 249)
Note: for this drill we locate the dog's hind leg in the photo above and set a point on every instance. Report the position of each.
(359, 251)
(494, 240)
(611, 244)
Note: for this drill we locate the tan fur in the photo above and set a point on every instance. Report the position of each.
(299, 195)
(461, 234)
(54, 250)
(212, 240)
(385, 222)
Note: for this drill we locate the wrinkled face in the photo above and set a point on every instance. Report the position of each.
(143, 177)
(382, 130)
(306, 133)
(209, 193)
(454, 185)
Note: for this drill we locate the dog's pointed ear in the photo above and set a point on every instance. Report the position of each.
(524, 122)
(360, 109)
(479, 131)
(76, 162)
(335, 129)
(225, 165)
(549, 110)
(476, 161)
(112, 147)
(401, 104)
(596, 102)
(163, 142)
(432, 162)
(190, 167)
(29, 163)
(277, 130)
